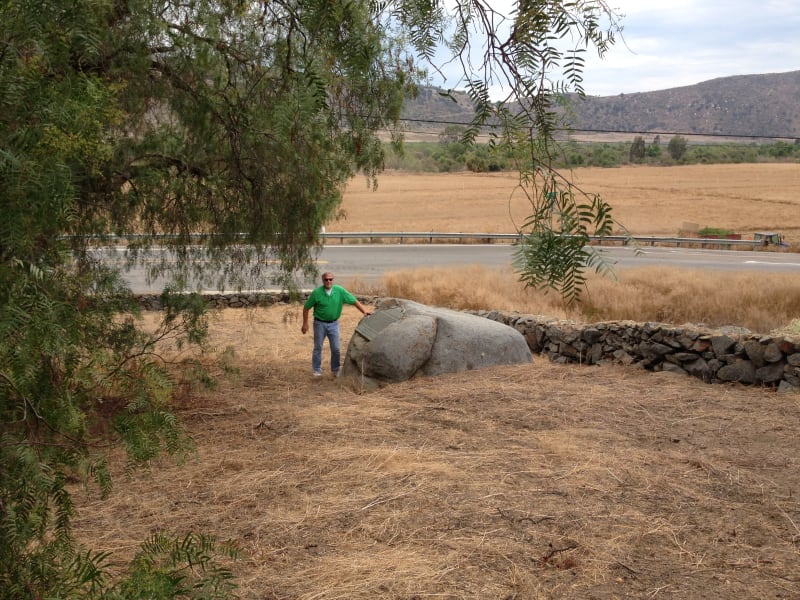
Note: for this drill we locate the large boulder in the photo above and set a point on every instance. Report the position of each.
(404, 339)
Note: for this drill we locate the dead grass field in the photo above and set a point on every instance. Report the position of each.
(645, 200)
(760, 302)
(534, 481)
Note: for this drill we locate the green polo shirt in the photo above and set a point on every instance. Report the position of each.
(328, 307)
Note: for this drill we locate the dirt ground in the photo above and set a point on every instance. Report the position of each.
(533, 481)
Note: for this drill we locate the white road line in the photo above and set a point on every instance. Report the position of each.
(777, 264)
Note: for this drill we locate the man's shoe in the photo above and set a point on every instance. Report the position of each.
(336, 373)
(317, 374)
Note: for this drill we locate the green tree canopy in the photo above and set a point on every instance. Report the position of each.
(637, 150)
(677, 147)
(209, 126)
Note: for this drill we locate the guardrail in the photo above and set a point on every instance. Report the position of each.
(430, 236)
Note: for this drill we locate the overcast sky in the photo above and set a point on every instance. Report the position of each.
(672, 43)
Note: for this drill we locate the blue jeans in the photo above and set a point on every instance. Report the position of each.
(324, 330)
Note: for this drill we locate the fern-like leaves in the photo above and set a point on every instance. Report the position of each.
(555, 251)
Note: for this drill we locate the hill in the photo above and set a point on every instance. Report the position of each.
(740, 106)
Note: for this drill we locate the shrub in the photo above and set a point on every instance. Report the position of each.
(677, 147)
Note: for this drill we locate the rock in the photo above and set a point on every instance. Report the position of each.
(722, 345)
(669, 367)
(595, 354)
(770, 373)
(654, 350)
(699, 368)
(399, 352)
(791, 375)
(755, 352)
(414, 339)
(742, 371)
(682, 357)
(623, 357)
(772, 353)
(592, 335)
(784, 387)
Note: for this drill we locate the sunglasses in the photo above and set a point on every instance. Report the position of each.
(327, 279)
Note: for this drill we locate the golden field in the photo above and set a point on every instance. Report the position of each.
(646, 200)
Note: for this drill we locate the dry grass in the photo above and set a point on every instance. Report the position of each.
(646, 200)
(759, 302)
(532, 481)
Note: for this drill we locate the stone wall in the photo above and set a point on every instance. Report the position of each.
(711, 355)
(218, 300)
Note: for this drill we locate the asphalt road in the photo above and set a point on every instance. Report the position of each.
(370, 262)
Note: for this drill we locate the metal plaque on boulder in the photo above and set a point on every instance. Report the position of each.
(378, 321)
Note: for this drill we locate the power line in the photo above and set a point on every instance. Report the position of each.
(615, 131)
(693, 134)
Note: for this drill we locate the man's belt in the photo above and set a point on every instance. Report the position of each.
(324, 321)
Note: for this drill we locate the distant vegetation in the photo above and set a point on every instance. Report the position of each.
(449, 155)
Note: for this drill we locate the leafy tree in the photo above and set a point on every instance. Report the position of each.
(523, 58)
(486, 159)
(781, 149)
(653, 150)
(608, 155)
(549, 253)
(204, 126)
(637, 151)
(677, 147)
(452, 134)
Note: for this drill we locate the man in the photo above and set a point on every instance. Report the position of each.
(327, 301)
